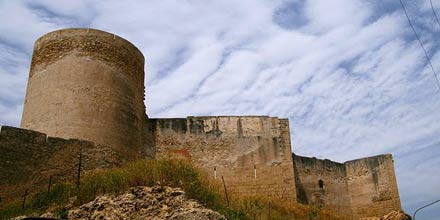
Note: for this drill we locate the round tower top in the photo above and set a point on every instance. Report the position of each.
(100, 45)
(73, 32)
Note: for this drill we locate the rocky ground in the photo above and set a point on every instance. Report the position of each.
(155, 203)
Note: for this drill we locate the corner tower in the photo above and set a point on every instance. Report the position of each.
(87, 84)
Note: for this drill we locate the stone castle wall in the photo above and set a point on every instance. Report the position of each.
(372, 186)
(87, 84)
(322, 182)
(28, 159)
(252, 153)
(360, 188)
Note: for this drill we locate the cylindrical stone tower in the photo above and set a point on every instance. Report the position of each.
(87, 84)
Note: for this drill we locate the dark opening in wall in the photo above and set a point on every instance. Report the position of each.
(321, 184)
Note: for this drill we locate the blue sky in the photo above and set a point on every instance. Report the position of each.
(349, 75)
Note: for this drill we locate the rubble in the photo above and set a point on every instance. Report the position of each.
(145, 203)
(394, 215)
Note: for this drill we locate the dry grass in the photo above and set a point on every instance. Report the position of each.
(264, 208)
(163, 172)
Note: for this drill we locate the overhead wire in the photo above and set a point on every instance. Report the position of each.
(421, 43)
(435, 14)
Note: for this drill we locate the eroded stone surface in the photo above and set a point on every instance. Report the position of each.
(87, 84)
(29, 160)
(394, 215)
(359, 188)
(145, 203)
(251, 153)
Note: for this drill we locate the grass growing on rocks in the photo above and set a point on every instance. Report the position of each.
(116, 181)
(159, 172)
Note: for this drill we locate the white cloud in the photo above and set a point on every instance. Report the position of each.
(326, 15)
(348, 74)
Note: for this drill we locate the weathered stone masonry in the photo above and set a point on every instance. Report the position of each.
(252, 153)
(372, 186)
(28, 159)
(322, 182)
(88, 84)
(359, 188)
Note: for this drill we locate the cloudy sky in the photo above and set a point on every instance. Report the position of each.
(350, 75)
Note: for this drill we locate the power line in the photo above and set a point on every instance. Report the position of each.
(421, 43)
(432, 203)
(435, 14)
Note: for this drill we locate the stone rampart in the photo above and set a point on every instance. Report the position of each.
(252, 153)
(359, 188)
(28, 159)
(323, 183)
(372, 186)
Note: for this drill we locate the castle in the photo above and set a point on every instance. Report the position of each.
(85, 97)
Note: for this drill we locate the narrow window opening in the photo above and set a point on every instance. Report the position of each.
(321, 184)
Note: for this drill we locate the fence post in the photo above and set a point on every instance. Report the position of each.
(78, 179)
(215, 172)
(226, 191)
(270, 206)
(50, 184)
(24, 199)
